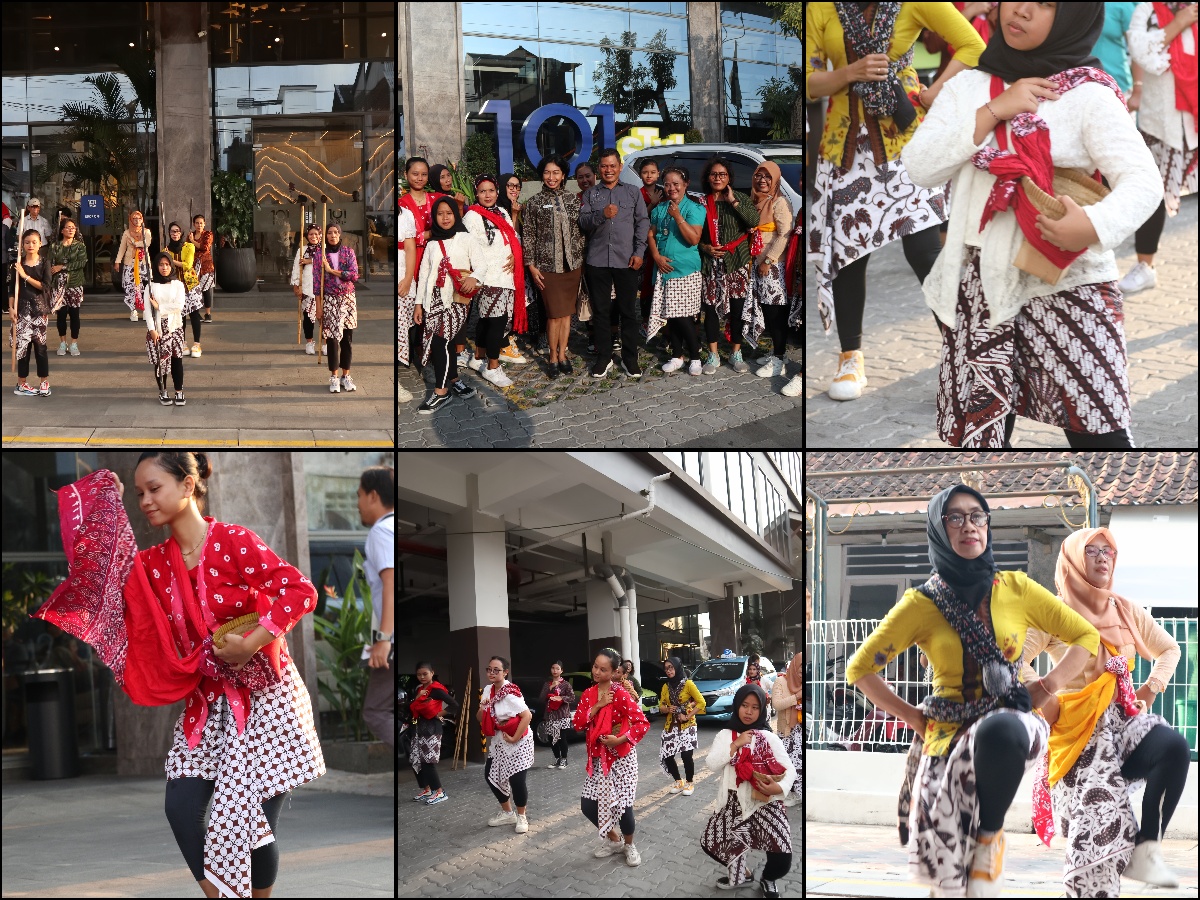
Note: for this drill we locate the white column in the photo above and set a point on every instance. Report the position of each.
(475, 565)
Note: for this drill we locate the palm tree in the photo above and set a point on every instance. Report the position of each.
(109, 160)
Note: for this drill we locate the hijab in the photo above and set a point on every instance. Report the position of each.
(436, 231)
(332, 246)
(480, 180)
(1069, 44)
(968, 578)
(159, 278)
(175, 246)
(735, 721)
(766, 201)
(679, 674)
(435, 178)
(1082, 596)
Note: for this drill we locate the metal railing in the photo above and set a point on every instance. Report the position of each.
(839, 717)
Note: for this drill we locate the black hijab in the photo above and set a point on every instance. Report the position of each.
(735, 721)
(1076, 29)
(678, 664)
(435, 178)
(969, 578)
(157, 276)
(175, 246)
(436, 232)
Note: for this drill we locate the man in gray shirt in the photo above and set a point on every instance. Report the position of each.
(614, 215)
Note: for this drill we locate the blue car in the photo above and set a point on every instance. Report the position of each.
(718, 679)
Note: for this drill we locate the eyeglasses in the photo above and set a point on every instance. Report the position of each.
(494, 671)
(1093, 552)
(718, 174)
(978, 518)
(512, 185)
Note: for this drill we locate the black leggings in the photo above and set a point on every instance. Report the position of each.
(1145, 239)
(176, 375)
(187, 798)
(1113, 440)
(713, 326)
(39, 354)
(520, 793)
(445, 362)
(921, 249)
(778, 865)
(208, 298)
(1001, 745)
(309, 327)
(1162, 759)
(688, 767)
(427, 777)
(682, 330)
(777, 317)
(489, 333)
(332, 348)
(560, 746)
(197, 318)
(591, 809)
(73, 312)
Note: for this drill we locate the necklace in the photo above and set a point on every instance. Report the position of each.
(201, 541)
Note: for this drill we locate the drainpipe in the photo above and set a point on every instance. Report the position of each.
(626, 648)
(631, 594)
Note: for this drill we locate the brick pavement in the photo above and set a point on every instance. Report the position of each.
(448, 850)
(868, 861)
(902, 350)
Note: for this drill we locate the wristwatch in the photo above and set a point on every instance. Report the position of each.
(377, 636)
(1156, 686)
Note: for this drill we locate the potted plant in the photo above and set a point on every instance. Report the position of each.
(233, 223)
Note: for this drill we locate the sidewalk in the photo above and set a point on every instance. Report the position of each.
(902, 350)
(104, 836)
(449, 850)
(253, 387)
(868, 861)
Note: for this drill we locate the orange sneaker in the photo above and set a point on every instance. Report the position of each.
(851, 377)
(987, 867)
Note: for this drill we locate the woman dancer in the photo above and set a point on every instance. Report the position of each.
(504, 717)
(134, 255)
(786, 696)
(68, 258)
(1162, 40)
(165, 337)
(557, 697)
(302, 282)
(970, 620)
(245, 736)
(865, 198)
(339, 315)
(756, 774)
(730, 220)
(202, 240)
(1103, 737)
(418, 201)
(183, 255)
(613, 723)
(627, 677)
(28, 308)
(502, 279)
(682, 702)
(1003, 352)
(768, 288)
(406, 256)
(427, 707)
(676, 227)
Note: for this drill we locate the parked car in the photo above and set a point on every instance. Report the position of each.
(742, 160)
(718, 679)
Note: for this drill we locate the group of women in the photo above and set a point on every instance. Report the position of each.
(990, 718)
(516, 267)
(1025, 145)
(758, 770)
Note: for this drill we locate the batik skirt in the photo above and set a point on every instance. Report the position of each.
(861, 209)
(426, 744)
(506, 760)
(728, 838)
(30, 329)
(1178, 170)
(674, 742)
(554, 725)
(1060, 361)
(793, 744)
(720, 287)
(339, 311)
(1092, 805)
(193, 300)
(277, 751)
(170, 344)
(133, 293)
(61, 295)
(444, 321)
(612, 792)
(494, 302)
(674, 298)
(943, 820)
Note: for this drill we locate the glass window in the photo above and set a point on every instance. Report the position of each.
(518, 20)
(331, 485)
(750, 46)
(563, 21)
(748, 123)
(303, 32)
(748, 15)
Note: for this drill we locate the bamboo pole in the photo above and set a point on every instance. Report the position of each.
(464, 726)
(321, 293)
(16, 291)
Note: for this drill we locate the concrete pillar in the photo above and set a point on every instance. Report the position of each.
(432, 80)
(721, 621)
(184, 100)
(604, 625)
(477, 582)
(705, 69)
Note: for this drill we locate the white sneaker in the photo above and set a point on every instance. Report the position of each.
(1147, 865)
(73, 349)
(1140, 277)
(133, 316)
(851, 377)
(196, 350)
(773, 367)
(694, 367)
(632, 857)
(689, 790)
(672, 365)
(464, 358)
(522, 824)
(676, 787)
(335, 386)
(402, 396)
(794, 387)
(476, 365)
(503, 818)
(497, 377)
(348, 383)
(310, 348)
(187, 351)
(62, 348)
(608, 848)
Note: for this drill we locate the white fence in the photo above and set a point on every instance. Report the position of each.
(839, 717)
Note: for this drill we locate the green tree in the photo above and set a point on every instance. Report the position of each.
(630, 88)
(780, 96)
(789, 15)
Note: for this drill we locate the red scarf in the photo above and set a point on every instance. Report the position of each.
(792, 259)
(446, 270)
(555, 699)
(424, 219)
(1030, 156)
(425, 706)
(756, 757)
(756, 238)
(1183, 67)
(490, 725)
(602, 724)
(514, 246)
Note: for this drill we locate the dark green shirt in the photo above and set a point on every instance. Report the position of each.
(74, 257)
(732, 223)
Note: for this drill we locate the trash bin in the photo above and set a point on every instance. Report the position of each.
(50, 713)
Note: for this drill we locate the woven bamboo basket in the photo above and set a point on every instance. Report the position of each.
(1073, 183)
(242, 624)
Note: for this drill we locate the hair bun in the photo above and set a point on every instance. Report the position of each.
(203, 465)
